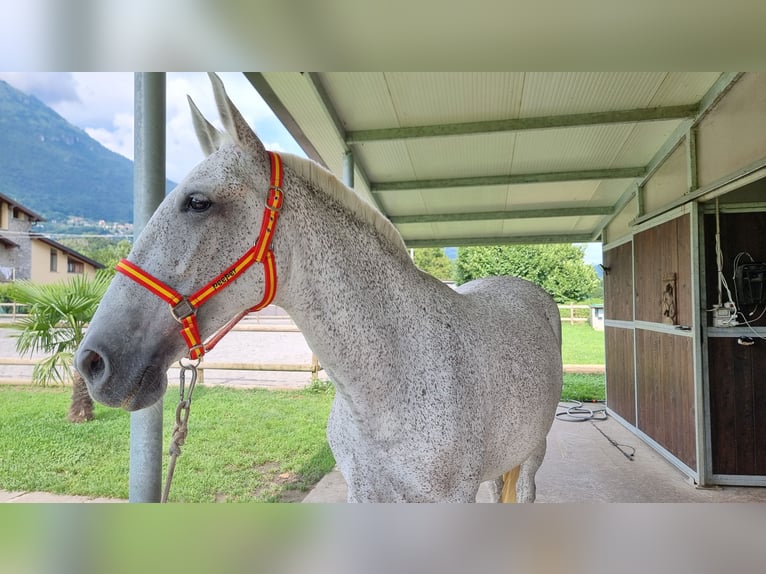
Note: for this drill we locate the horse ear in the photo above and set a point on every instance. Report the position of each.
(209, 137)
(233, 121)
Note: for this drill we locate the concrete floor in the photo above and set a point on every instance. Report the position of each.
(581, 465)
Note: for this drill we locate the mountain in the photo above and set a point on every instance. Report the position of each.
(55, 168)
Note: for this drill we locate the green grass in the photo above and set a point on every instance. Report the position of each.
(584, 388)
(243, 445)
(582, 345)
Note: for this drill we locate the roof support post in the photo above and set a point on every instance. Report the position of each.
(145, 475)
(348, 169)
(699, 350)
(691, 159)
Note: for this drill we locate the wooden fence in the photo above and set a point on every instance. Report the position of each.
(314, 368)
(256, 322)
(570, 316)
(264, 322)
(11, 311)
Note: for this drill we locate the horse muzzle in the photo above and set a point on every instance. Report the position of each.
(136, 387)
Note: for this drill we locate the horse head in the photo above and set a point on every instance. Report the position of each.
(200, 229)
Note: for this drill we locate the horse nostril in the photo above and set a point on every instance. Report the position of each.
(91, 365)
(96, 365)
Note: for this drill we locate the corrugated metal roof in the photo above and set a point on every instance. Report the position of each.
(442, 97)
(471, 156)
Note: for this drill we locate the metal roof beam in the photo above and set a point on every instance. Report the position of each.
(502, 215)
(262, 86)
(524, 124)
(624, 199)
(321, 93)
(717, 91)
(724, 83)
(503, 240)
(522, 178)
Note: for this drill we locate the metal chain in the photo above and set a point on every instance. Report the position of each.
(182, 418)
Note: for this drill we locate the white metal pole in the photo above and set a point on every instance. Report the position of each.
(145, 475)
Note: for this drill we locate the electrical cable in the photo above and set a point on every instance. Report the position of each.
(719, 265)
(577, 413)
(745, 320)
(749, 326)
(574, 411)
(617, 445)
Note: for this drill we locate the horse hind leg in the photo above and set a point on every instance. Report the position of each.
(510, 481)
(519, 483)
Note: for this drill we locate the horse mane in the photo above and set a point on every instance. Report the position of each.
(337, 190)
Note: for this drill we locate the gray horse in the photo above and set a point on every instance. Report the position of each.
(437, 390)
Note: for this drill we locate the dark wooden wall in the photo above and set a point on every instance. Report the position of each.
(620, 380)
(736, 373)
(739, 232)
(660, 251)
(665, 392)
(654, 390)
(618, 282)
(737, 406)
(618, 341)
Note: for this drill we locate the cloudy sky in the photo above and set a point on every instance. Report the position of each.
(101, 103)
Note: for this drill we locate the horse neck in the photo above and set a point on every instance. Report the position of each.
(346, 286)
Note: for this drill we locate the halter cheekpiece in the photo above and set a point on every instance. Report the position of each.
(184, 308)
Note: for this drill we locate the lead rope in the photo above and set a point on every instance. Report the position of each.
(182, 419)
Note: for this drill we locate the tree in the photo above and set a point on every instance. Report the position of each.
(433, 260)
(55, 324)
(105, 250)
(557, 268)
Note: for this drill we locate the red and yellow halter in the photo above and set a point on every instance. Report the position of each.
(184, 309)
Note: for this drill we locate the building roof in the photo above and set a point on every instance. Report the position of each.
(498, 157)
(33, 216)
(5, 241)
(67, 250)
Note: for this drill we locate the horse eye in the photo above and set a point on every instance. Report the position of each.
(198, 203)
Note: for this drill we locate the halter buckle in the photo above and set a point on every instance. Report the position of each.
(277, 206)
(182, 310)
(200, 348)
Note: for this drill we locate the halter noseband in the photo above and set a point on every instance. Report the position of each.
(184, 309)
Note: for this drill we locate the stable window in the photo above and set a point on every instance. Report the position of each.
(74, 266)
(54, 260)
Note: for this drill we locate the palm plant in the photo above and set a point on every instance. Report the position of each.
(57, 316)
